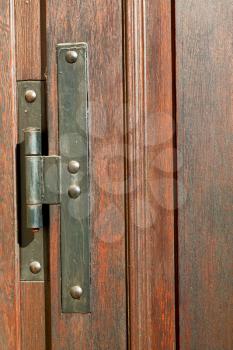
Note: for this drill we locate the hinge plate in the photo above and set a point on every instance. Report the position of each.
(74, 147)
(33, 246)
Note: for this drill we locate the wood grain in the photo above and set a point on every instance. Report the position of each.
(99, 23)
(149, 111)
(34, 328)
(205, 124)
(9, 269)
(30, 39)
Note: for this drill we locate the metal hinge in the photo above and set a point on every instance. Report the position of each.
(57, 179)
(43, 179)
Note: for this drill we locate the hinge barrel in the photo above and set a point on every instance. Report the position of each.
(42, 178)
(32, 141)
(33, 173)
(34, 216)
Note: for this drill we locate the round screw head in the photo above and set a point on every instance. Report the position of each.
(76, 292)
(35, 267)
(71, 56)
(74, 191)
(73, 166)
(30, 96)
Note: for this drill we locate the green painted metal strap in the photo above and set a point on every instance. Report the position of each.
(74, 147)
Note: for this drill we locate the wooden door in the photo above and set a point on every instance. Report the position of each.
(204, 127)
(160, 109)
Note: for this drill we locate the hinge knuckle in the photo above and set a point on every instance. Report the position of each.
(33, 174)
(34, 216)
(32, 141)
(42, 178)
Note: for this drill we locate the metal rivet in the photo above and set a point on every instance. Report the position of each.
(35, 267)
(30, 96)
(71, 56)
(73, 166)
(76, 292)
(74, 191)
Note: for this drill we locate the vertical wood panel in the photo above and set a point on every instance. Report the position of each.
(99, 23)
(30, 39)
(150, 165)
(9, 290)
(205, 125)
(33, 322)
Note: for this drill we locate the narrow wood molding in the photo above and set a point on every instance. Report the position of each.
(149, 133)
(135, 139)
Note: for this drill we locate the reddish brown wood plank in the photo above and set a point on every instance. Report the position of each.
(150, 165)
(205, 125)
(9, 290)
(35, 326)
(30, 39)
(99, 23)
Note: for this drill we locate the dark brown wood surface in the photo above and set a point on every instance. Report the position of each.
(151, 232)
(149, 110)
(30, 39)
(205, 124)
(99, 23)
(132, 131)
(9, 271)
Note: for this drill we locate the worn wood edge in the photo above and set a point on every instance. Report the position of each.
(175, 142)
(17, 259)
(7, 32)
(14, 129)
(135, 111)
